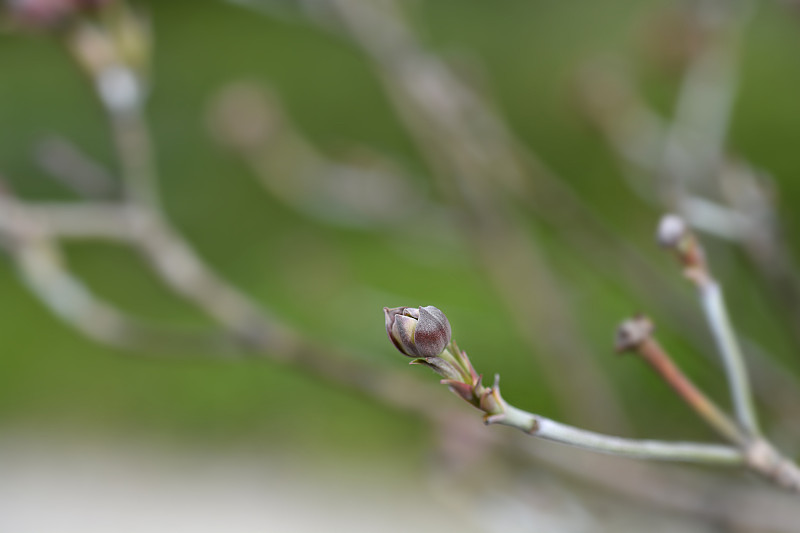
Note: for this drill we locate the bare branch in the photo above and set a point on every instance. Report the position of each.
(675, 234)
(539, 426)
(366, 193)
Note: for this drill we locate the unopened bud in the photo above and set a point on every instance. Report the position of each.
(632, 333)
(418, 332)
(671, 230)
(674, 233)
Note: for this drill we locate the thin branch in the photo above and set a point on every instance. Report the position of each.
(674, 233)
(120, 86)
(760, 455)
(718, 319)
(369, 192)
(82, 220)
(636, 335)
(29, 234)
(689, 452)
(28, 238)
(695, 138)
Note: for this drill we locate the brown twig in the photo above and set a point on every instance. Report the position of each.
(635, 335)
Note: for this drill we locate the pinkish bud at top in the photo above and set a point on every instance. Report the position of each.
(418, 332)
(671, 230)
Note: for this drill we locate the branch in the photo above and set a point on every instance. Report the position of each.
(27, 235)
(425, 334)
(636, 335)
(675, 234)
(369, 193)
(687, 452)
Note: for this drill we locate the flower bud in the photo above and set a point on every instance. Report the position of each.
(422, 332)
(671, 230)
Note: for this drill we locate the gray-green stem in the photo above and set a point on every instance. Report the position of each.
(544, 428)
(733, 361)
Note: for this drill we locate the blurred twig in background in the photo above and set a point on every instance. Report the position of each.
(682, 164)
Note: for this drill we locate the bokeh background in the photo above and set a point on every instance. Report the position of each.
(98, 438)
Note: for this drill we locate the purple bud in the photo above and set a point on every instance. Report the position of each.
(418, 332)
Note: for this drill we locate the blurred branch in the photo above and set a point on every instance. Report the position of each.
(695, 139)
(110, 54)
(28, 237)
(369, 193)
(69, 165)
(474, 158)
(685, 158)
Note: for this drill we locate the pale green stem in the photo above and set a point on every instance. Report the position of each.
(732, 359)
(452, 355)
(544, 428)
(135, 150)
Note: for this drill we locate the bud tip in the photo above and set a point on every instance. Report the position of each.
(632, 333)
(671, 230)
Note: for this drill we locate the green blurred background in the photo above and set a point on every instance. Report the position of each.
(331, 282)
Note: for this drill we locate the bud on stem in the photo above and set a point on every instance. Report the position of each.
(418, 332)
(424, 333)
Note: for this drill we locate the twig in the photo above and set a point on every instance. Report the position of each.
(539, 426)
(251, 121)
(693, 146)
(27, 235)
(81, 220)
(760, 455)
(674, 233)
(636, 335)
